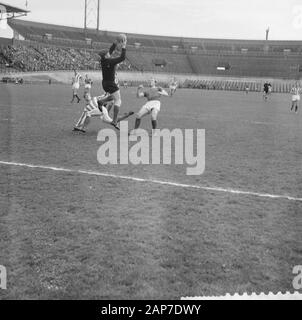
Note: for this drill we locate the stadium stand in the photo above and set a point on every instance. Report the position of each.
(253, 66)
(43, 47)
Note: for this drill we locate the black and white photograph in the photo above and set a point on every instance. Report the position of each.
(150, 150)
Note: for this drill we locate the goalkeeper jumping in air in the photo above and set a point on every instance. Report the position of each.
(110, 82)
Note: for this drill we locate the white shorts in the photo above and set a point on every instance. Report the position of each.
(296, 98)
(76, 86)
(150, 107)
(102, 114)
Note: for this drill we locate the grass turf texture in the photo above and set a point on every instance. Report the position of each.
(69, 235)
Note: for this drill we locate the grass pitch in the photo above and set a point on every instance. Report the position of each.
(67, 235)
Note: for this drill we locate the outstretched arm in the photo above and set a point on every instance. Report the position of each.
(122, 57)
(118, 60)
(113, 47)
(140, 93)
(163, 92)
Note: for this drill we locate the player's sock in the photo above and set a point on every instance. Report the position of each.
(115, 114)
(137, 123)
(154, 124)
(85, 123)
(81, 120)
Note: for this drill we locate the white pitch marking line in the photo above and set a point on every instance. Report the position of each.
(166, 183)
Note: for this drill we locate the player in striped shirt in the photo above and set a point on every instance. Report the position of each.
(296, 97)
(95, 107)
(76, 82)
(91, 104)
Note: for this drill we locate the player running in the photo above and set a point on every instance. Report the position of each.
(173, 86)
(152, 106)
(76, 86)
(295, 91)
(110, 82)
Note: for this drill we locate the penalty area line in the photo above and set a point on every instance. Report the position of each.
(159, 182)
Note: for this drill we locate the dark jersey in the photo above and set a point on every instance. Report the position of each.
(153, 94)
(109, 65)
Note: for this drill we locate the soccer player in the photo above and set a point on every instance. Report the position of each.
(265, 91)
(92, 108)
(91, 104)
(153, 105)
(76, 86)
(295, 91)
(173, 86)
(110, 82)
(96, 107)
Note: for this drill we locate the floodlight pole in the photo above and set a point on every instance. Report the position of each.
(98, 18)
(85, 16)
(267, 33)
(92, 13)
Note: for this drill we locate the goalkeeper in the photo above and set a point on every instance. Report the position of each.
(110, 82)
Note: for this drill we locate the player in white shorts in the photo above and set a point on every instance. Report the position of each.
(76, 82)
(295, 91)
(152, 106)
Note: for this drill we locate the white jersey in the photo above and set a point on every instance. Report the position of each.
(296, 91)
(173, 85)
(76, 81)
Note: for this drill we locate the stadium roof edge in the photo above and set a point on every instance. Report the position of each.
(13, 9)
(158, 37)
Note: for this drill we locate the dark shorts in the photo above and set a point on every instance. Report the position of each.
(110, 87)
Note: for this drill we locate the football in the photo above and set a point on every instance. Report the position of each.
(121, 38)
